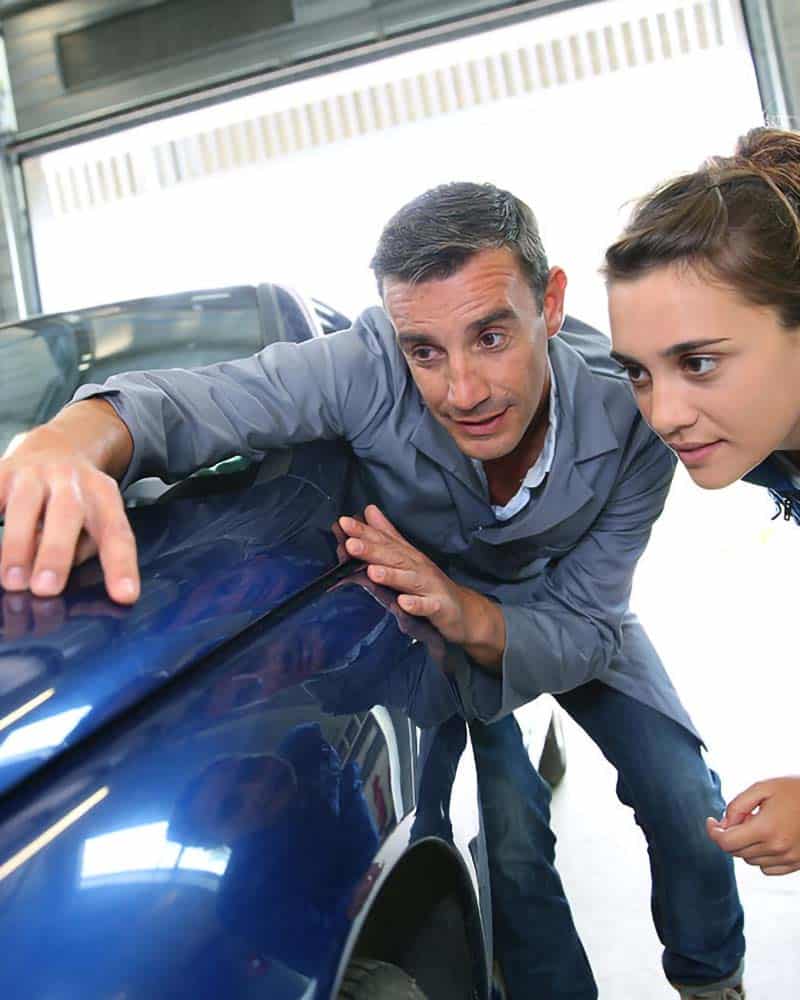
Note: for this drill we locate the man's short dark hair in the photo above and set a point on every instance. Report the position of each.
(434, 235)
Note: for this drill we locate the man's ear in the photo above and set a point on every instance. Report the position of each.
(553, 300)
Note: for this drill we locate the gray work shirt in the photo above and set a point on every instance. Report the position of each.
(561, 568)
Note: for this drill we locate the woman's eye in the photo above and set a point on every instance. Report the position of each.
(700, 365)
(636, 374)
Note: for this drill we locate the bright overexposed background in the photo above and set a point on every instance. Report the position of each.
(597, 109)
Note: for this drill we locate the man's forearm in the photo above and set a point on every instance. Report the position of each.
(92, 428)
(485, 630)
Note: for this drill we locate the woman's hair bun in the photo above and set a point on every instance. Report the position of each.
(770, 148)
(737, 218)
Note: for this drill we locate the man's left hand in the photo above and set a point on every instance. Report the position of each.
(463, 616)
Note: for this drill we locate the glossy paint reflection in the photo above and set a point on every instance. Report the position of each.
(251, 810)
(210, 567)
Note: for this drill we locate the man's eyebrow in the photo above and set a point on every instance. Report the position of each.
(685, 347)
(493, 317)
(409, 339)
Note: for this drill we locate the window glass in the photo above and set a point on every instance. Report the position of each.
(45, 359)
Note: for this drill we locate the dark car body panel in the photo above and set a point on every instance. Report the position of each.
(258, 770)
(212, 566)
(94, 875)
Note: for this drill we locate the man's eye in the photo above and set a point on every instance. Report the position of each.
(423, 354)
(491, 338)
(700, 364)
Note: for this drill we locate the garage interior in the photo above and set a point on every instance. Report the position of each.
(153, 147)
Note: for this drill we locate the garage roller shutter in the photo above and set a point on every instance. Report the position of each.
(75, 62)
(555, 59)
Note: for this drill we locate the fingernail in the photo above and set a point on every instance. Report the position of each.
(378, 573)
(126, 587)
(15, 578)
(354, 546)
(47, 581)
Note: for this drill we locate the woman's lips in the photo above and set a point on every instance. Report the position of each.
(480, 428)
(695, 454)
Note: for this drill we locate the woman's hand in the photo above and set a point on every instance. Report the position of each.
(762, 826)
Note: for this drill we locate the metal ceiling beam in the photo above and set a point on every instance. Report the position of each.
(10, 7)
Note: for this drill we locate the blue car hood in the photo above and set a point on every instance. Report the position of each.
(211, 566)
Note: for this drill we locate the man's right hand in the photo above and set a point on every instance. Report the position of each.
(62, 504)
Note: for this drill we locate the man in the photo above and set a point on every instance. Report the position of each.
(513, 488)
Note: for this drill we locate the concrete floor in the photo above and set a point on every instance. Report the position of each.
(718, 593)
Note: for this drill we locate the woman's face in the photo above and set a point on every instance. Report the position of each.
(717, 378)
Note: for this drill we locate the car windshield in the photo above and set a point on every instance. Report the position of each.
(43, 360)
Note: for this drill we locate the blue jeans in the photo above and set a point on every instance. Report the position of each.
(662, 776)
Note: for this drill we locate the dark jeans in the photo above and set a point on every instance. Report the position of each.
(662, 776)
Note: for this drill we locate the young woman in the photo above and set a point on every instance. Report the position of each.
(704, 298)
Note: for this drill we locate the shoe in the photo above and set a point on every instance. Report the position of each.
(721, 993)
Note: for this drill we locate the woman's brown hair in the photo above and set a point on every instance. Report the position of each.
(736, 221)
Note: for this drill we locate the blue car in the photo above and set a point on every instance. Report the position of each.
(256, 782)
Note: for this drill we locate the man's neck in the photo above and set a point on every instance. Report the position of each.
(504, 475)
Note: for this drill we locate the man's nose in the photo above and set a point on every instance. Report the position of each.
(670, 410)
(467, 388)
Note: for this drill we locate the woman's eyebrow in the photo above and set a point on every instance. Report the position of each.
(623, 359)
(685, 347)
(692, 345)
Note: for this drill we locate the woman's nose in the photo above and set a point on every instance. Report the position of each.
(670, 410)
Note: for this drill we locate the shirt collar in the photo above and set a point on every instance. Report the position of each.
(537, 473)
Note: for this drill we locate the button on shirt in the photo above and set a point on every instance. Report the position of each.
(537, 473)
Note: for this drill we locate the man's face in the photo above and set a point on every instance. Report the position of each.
(476, 346)
(715, 376)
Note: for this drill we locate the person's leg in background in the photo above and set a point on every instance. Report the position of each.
(535, 940)
(663, 777)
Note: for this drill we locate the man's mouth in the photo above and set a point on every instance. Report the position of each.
(481, 427)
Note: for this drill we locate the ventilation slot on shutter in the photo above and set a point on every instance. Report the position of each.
(543, 64)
